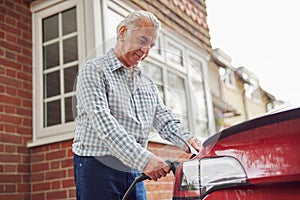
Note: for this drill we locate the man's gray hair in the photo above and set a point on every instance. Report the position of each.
(132, 20)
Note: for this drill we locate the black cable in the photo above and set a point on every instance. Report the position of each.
(173, 166)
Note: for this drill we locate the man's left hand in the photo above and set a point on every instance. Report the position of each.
(195, 143)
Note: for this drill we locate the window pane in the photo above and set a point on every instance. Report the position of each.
(69, 23)
(177, 95)
(69, 109)
(51, 55)
(52, 113)
(50, 28)
(69, 78)
(157, 48)
(52, 84)
(156, 74)
(70, 49)
(198, 98)
(175, 54)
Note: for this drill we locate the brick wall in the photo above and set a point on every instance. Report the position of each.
(52, 172)
(16, 102)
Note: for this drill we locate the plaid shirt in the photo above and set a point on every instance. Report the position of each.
(116, 111)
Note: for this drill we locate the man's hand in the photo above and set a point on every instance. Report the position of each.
(156, 168)
(195, 143)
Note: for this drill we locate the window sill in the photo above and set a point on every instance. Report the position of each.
(50, 139)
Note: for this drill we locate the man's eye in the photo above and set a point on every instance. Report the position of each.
(143, 41)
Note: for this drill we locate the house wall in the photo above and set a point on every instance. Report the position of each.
(16, 102)
(46, 171)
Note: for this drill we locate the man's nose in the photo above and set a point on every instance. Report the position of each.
(145, 49)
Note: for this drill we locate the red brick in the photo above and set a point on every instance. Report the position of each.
(54, 165)
(25, 131)
(54, 146)
(23, 26)
(35, 177)
(11, 91)
(26, 103)
(72, 193)
(24, 59)
(27, 121)
(10, 188)
(24, 43)
(10, 45)
(56, 155)
(9, 5)
(23, 168)
(55, 185)
(38, 196)
(39, 149)
(12, 196)
(10, 128)
(2, 89)
(56, 195)
(10, 168)
(10, 178)
(27, 86)
(71, 172)
(10, 100)
(9, 138)
(24, 112)
(55, 174)
(26, 178)
(67, 144)
(22, 149)
(37, 158)
(10, 55)
(68, 183)
(40, 167)
(13, 14)
(40, 186)
(10, 158)
(22, 10)
(67, 163)
(10, 72)
(22, 188)
(23, 94)
(10, 82)
(10, 148)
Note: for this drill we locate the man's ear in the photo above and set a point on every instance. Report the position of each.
(122, 32)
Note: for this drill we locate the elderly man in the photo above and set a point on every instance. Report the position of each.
(117, 106)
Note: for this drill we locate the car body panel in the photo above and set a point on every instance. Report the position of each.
(268, 148)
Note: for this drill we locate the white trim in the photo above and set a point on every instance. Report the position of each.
(51, 139)
(41, 10)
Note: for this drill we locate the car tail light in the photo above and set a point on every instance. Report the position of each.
(207, 174)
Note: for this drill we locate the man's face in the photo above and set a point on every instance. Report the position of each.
(135, 44)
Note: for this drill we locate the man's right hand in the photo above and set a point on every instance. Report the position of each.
(156, 168)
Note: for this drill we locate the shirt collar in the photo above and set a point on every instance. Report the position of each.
(116, 64)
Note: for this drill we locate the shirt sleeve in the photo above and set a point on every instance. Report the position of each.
(92, 98)
(169, 126)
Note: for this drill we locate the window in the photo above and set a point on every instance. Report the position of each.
(60, 66)
(227, 75)
(252, 92)
(57, 54)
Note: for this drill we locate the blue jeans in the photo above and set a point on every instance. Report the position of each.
(105, 178)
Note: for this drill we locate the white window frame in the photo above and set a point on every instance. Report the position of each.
(40, 10)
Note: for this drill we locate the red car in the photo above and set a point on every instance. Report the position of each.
(258, 160)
